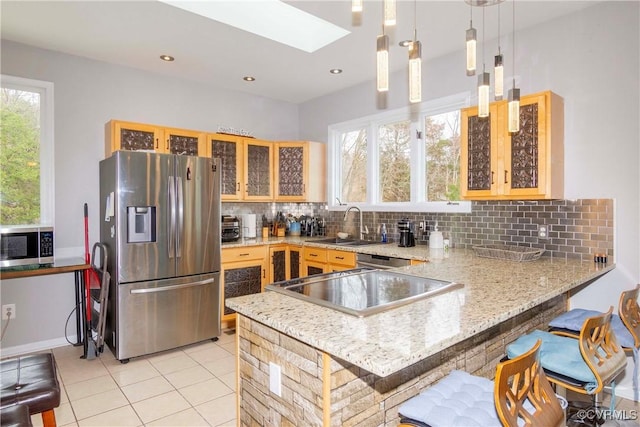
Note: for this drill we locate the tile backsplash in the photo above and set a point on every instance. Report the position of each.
(576, 228)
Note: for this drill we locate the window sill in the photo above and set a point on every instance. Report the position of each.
(431, 207)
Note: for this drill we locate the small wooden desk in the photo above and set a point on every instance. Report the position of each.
(60, 265)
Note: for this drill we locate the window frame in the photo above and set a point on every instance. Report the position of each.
(416, 114)
(47, 175)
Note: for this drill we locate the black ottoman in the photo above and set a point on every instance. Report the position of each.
(31, 380)
(15, 416)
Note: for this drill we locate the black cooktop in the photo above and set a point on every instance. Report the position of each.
(362, 291)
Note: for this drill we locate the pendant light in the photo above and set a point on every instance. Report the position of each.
(382, 62)
(484, 81)
(514, 93)
(415, 62)
(356, 6)
(498, 70)
(471, 45)
(389, 12)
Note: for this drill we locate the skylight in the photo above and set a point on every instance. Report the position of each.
(271, 19)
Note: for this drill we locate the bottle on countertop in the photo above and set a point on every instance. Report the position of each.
(383, 233)
(436, 240)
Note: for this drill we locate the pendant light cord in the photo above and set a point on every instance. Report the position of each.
(415, 20)
(483, 27)
(499, 29)
(514, 43)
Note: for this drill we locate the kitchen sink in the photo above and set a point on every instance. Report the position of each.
(343, 242)
(362, 291)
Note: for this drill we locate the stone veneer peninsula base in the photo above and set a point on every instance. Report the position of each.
(319, 389)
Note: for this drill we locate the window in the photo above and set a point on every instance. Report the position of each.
(353, 165)
(26, 151)
(400, 160)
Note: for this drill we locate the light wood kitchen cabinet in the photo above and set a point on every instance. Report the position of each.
(258, 170)
(318, 261)
(247, 167)
(315, 261)
(300, 169)
(121, 135)
(230, 150)
(295, 261)
(243, 272)
(285, 262)
(340, 260)
(529, 164)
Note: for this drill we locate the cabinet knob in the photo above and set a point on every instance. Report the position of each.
(505, 176)
(157, 142)
(492, 182)
(167, 146)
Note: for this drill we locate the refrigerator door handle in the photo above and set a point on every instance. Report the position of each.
(180, 207)
(172, 216)
(171, 287)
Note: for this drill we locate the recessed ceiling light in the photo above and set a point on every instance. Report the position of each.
(167, 58)
(248, 78)
(335, 71)
(271, 19)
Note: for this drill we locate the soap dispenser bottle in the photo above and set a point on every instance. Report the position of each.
(383, 233)
(436, 240)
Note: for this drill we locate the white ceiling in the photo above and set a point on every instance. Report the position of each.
(135, 33)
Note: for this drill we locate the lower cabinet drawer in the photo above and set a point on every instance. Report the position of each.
(244, 253)
(341, 258)
(315, 254)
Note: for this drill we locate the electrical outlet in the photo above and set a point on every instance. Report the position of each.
(275, 379)
(8, 308)
(543, 231)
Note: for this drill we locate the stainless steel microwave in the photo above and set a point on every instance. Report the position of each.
(25, 245)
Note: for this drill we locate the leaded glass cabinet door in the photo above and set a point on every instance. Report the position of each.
(291, 164)
(534, 156)
(242, 278)
(278, 256)
(295, 262)
(132, 137)
(184, 142)
(258, 171)
(228, 149)
(479, 153)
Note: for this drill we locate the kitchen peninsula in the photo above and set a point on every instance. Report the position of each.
(338, 369)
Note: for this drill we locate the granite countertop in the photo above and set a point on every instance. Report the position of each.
(384, 343)
(418, 252)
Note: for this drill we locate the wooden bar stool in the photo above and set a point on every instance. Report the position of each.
(31, 381)
(584, 365)
(626, 327)
(519, 396)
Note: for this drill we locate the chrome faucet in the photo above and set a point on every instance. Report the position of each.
(363, 229)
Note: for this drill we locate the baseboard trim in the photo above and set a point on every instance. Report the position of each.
(35, 346)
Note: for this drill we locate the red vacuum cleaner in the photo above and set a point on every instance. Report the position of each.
(90, 351)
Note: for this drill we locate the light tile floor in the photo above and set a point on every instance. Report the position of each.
(189, 386)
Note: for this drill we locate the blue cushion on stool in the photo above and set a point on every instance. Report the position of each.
(557, 354)
(459, 399)
(574, 319)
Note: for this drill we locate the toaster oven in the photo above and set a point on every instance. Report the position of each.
(230, 228)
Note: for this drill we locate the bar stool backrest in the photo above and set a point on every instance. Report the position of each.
(521, 380)
(600, 349)
(629, 312)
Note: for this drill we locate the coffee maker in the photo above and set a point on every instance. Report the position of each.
(405, 227)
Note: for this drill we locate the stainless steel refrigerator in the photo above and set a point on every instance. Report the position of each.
(160, 220)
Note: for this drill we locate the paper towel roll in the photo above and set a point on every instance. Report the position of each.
(249, 225)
